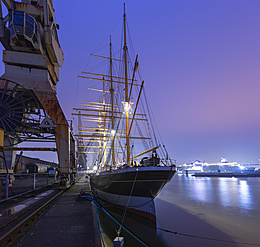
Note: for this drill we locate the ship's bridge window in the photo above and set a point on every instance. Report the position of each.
(23, 28)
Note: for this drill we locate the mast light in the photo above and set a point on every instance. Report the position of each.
(127, 107)
(113, 132)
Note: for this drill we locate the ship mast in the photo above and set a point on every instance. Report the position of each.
(112, 107)
(126, 105)
(104, 123)
(100, 136)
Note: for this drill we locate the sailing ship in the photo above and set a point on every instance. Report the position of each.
(130, 165)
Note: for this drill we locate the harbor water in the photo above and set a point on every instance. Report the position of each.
(225, 209)
(201, 212)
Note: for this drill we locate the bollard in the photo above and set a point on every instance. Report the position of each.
(118, 242)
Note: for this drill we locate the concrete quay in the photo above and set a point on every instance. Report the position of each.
(71, 221)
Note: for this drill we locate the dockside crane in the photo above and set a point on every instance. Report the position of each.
(29, 108)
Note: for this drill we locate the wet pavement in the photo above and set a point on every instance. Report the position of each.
(71, 221)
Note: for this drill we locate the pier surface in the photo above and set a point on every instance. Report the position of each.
(71, 221)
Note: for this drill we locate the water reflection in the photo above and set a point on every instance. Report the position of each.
(201, 190)
(231, 205)
(140, 228)
(235, 192)
(226, 192)
(245, 196)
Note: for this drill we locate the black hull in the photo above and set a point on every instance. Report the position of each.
(134, 188)
(147, 181)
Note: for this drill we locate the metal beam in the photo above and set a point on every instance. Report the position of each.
(29, 149)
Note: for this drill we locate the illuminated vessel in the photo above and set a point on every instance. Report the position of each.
(131, 166)
(220, 169)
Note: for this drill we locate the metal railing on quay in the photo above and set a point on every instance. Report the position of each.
(12, 185)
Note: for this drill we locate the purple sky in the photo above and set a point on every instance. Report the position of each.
(200, 61)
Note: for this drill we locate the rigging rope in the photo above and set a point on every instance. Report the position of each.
(141, 134)
(150, 116)
(119, 231)
(206, 238)
(119, 21)
(155, 128)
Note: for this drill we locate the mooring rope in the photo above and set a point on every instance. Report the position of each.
(207, 238)
(99, 228)
(119, 231)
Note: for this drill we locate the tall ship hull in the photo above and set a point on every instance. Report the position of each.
(133, 188)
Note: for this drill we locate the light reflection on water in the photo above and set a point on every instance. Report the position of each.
(227, 192)
(201, 189)
(231, 205)
(245, 197)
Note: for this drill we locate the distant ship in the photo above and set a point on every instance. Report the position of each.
(131, 166)
(221, 169)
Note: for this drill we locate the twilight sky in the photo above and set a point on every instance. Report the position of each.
(200, 61)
